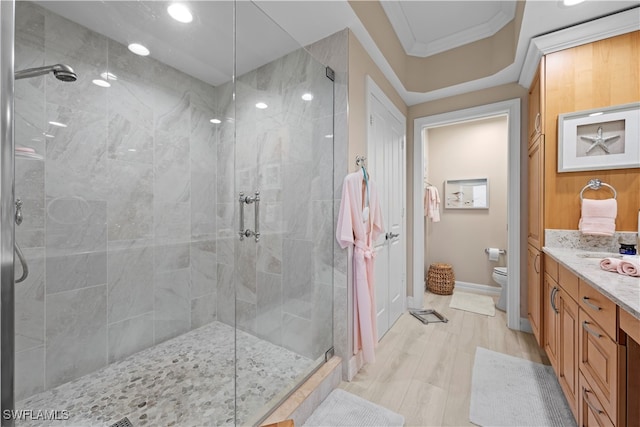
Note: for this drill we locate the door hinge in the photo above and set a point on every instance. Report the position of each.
(331, 75)
(371, 119)
(329, 354)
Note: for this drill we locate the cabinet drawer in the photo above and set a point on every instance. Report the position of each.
(599, 362)
(590, 410)
(600, 308)
(551, 267)
(568, 281)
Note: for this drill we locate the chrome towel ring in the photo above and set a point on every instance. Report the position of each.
(596, 184)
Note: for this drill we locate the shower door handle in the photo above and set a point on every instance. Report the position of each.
(248, 200)
(241, 200)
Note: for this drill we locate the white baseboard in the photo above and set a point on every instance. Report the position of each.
(355, 364)
(478, 288)
(525, 325)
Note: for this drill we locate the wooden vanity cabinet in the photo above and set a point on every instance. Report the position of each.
(582, 343)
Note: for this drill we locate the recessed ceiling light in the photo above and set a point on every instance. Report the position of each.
(307, 96)
(599, 113)
(138, 49)
(215, 121)
(101, 83)
(571, 2)
(261, 105)
(180, 13)
(60, 125)
(108, 76)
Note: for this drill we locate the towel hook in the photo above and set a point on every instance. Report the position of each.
(360, 160)
(596, 184)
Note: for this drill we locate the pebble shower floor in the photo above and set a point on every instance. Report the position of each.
(186, 381)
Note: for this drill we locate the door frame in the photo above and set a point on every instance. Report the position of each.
(373, 90)
(512, 109)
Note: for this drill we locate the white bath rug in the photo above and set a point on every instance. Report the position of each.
(474, 303)
(510, 391)
(342, 409)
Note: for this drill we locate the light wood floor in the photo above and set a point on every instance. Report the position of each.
(424, 371)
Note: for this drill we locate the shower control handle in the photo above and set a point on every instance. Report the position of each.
(391, 235)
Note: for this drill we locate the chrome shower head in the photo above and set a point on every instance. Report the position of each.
(61, 71)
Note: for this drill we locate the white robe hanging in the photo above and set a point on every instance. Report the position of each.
(353, 229)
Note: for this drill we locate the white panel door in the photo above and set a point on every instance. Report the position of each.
(387, 166)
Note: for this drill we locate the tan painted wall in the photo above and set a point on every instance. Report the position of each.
(444, 69)
(361, 65)
(475, 149)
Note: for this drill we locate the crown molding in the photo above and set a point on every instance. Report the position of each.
(588, 32)
(413, 47)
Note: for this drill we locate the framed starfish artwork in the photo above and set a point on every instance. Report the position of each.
(599, 139)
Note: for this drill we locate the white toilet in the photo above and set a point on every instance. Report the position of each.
(500, 277)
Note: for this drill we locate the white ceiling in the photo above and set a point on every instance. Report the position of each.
(423, 32)
(204, 47)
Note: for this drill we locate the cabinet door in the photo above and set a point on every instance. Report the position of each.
(535, 105)
(534, 292)
(536, 187)
(568, 326)
(551, 315)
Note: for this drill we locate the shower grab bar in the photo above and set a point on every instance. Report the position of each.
(23, 263)
(248, 200)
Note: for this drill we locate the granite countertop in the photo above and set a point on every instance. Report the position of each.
(621, 289)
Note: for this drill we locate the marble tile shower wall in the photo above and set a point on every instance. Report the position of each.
(286, 152)
(118, 228)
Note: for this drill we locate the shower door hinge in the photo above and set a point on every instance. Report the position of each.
(371, 119)
(331, 75)
(329, 354)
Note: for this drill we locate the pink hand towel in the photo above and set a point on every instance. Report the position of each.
(629, 268)
(610, 264)
(598, 217)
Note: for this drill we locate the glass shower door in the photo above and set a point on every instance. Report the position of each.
(118, 175)
(283, 195)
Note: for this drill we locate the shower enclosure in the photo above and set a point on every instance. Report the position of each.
(176, 214)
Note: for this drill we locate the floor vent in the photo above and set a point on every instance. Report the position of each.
(122, 423)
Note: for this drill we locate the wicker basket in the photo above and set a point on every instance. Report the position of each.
(440, 279)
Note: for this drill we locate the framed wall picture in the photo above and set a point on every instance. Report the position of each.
(466, 193)
(599, 139)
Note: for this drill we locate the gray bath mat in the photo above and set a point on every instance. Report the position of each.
(509, 391)
(342, 408)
